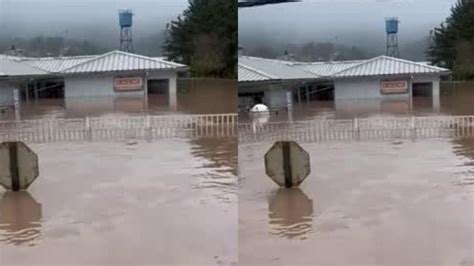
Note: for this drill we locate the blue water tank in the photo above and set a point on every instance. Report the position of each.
(125, 18)
(391, 25)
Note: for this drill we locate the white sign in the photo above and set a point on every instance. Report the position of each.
(18, 166)
(128, 84)
(287, 164)
(394, 87)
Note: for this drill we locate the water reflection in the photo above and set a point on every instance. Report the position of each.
(290, 213)
(219, 170)
(195, 96)
(456, 99)
(20, 216)
(464, 148)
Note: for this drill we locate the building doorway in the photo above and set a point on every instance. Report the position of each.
(423, 89)
(422, 96)
(43, 89)
(158, 92)
(158, 86)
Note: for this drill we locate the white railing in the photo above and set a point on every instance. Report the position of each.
(359, 129)
(116, 128)
(225, 125)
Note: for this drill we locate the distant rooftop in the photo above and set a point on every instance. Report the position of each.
(261, 69)
(108, 62)
(255, 68)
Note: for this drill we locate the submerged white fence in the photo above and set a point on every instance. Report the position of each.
(116, 128)
(359, 129)
(225, 125)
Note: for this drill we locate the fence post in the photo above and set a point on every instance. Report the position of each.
(412, 127)
(356, 128)
(148, 127)
(87, 129)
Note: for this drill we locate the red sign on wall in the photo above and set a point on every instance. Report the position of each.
(128, 84)
(395, 86)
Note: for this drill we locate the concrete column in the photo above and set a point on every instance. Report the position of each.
(289, 100)
(145, 89)
(27, 86)
(16, 98)
(173, 93)
(307, 93)
(36, 91)
(410, 91)
(299, 94)
(436, 95)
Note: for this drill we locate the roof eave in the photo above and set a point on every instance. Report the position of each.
(393, 75)
(176, 69)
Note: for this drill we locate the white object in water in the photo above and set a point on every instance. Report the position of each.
(259, 108)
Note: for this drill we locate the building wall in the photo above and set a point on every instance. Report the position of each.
(94, 85)
(275, 96)
(6, 93)
(365, 88)
(369, 88)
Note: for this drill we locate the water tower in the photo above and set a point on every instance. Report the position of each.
(391, 27)
(125, 21)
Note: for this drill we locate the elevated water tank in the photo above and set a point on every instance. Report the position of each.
(391, 25)
(125, 18)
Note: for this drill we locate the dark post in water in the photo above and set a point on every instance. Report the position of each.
(13, 152)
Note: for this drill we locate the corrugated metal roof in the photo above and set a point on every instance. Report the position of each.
(11, 57)
(10, 67)
(121, 61)
(56, 64)
(112, 61)
(274, 69)
(326, 69)
(247, 74)
(384, 65)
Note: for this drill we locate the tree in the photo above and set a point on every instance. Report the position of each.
(452, 43)
(205, 38)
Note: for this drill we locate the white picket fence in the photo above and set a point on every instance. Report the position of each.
(116, 128)
(358, 129)
(225, 125)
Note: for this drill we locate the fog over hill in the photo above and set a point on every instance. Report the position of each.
(95, 21)
(359, 23)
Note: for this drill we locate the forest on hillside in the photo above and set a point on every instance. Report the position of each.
(452, 44)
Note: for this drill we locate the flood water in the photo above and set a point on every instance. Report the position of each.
(386, 202)
(195, 96)
(167, 201)
(207, 200)
(455, 99)
(365, 203)
(128, 203)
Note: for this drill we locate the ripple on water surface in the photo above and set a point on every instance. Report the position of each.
(20, 219)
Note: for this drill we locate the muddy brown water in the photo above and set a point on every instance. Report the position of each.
(127, 202)
(195, 96)
(365, 203)
(179, 201)
(455, 99)
(389, 202)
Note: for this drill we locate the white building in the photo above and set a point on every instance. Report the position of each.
(381, 79)
(114, 74)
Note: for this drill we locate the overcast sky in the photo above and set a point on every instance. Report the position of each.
(348, 21)
(27, 17)
(358, 22)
